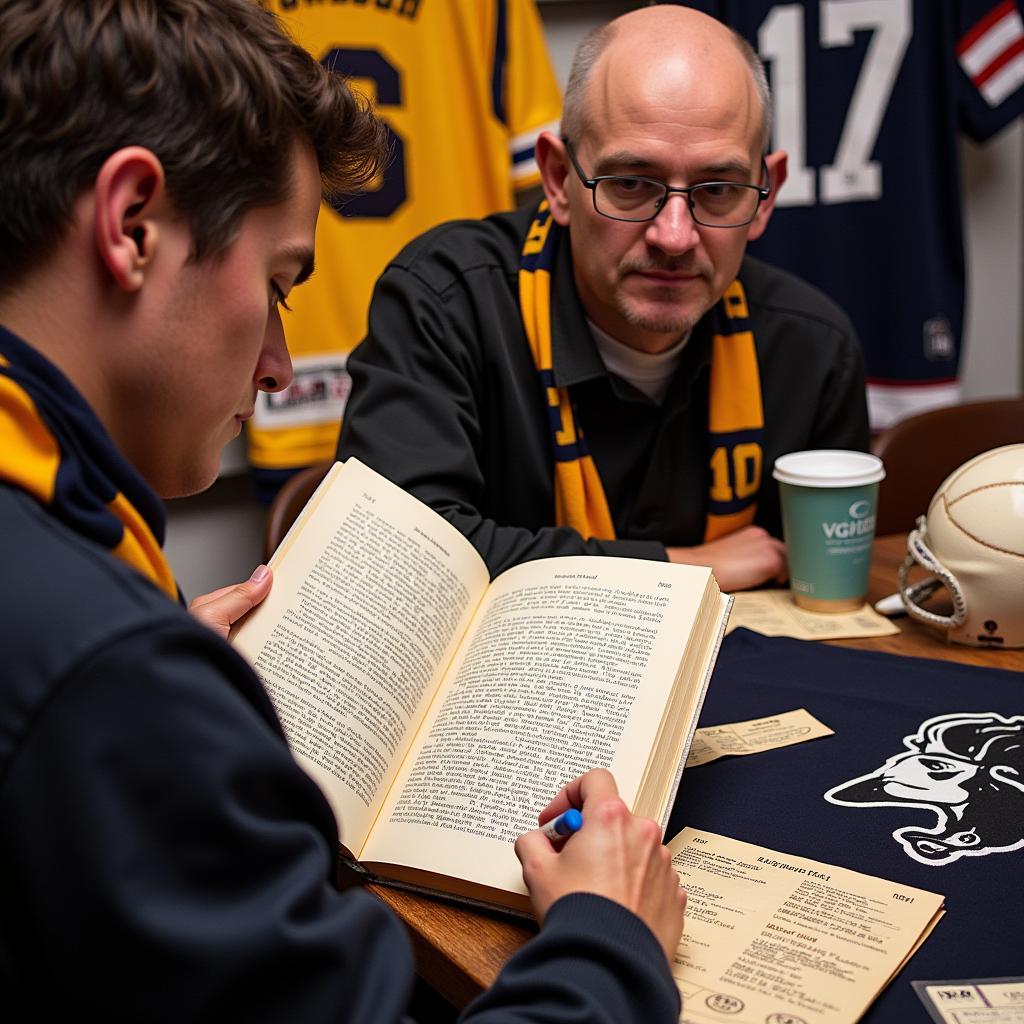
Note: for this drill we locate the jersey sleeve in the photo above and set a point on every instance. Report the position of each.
(990, 55)
(533, 98)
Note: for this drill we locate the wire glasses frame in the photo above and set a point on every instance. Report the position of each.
(713, 198)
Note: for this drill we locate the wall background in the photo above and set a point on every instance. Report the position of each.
(216, 538)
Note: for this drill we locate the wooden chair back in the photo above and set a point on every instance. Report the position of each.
(920, 452)
(288, 503)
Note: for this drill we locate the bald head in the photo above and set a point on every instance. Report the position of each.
(681, 51)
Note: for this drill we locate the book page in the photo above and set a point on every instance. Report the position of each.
(569, 665)
(372, 591)
(772, 937)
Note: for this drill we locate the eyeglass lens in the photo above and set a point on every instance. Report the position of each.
(716, 203)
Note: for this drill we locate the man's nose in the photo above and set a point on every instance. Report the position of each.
(673, 230)
(274, 370)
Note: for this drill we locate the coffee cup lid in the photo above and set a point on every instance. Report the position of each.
(828, 467)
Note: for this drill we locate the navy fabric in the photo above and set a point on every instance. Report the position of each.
(92, 471)
(905, 294)
(776, 798)
(164, 858)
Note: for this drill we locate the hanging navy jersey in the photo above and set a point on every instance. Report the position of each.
(920, 784)
(868, 99)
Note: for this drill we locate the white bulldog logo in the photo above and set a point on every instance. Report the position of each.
(969, 770)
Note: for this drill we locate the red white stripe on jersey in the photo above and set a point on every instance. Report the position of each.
(992, 53)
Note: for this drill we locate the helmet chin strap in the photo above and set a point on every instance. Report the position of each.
(918, 552)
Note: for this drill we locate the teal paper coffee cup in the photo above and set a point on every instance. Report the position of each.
(828, 500)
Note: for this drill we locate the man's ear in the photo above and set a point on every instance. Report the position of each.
(776, 163)
(128, 190)
(553, 161)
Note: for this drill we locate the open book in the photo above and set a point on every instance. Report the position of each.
(439, 712)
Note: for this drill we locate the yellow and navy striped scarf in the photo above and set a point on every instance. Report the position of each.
(735, 416)
(54, 448)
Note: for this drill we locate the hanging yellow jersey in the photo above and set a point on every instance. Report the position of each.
(465, 87)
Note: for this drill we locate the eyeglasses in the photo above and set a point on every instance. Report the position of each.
(713, 204)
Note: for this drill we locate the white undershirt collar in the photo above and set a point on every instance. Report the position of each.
(649, 372)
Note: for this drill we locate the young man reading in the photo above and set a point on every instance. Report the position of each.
(163, 858)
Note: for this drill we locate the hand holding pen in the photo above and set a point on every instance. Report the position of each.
(563, 826)
(614, 854)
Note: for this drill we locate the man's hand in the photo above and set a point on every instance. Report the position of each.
(615, 854)
(741, 560)
(219, 610)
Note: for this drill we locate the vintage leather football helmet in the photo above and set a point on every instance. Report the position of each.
(972, 542)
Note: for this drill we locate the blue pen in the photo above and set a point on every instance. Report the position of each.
(564, 825)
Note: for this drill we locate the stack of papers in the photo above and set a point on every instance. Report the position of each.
(780, 939)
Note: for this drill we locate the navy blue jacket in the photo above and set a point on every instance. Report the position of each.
(162, 857)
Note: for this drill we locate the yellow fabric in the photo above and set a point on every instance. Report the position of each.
(734, 408)
(735, 415)
(32, 460)
(431, 75)
(31, 455)
(579, 496)
(139, 548)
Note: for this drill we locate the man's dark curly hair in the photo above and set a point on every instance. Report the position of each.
(215, 88)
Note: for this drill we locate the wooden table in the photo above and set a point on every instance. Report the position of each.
(460, 951)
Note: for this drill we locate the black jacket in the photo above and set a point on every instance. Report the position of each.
(446, 401)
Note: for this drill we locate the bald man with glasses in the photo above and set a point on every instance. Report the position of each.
(609, 373)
